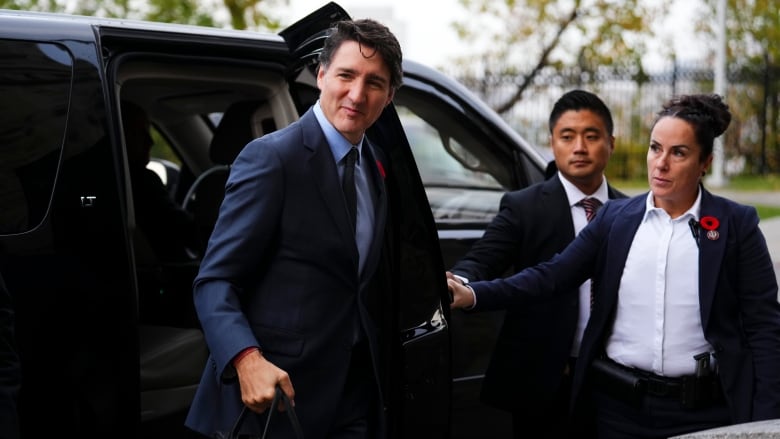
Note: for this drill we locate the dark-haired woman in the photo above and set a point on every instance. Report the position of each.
(684, 334)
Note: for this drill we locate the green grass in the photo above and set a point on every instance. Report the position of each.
(765, 212)
(747, 183)
(769, 182)
(640, 184)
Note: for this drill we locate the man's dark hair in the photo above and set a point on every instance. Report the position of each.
(369, 34)
(577, 100)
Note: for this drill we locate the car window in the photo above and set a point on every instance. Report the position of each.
(161, 149)
(34, 92)
(442, 159)
(460, 185)
(164, 161)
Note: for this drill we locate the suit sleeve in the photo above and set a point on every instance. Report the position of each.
(242, 237)
(548, 280)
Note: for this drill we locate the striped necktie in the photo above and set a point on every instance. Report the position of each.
(591, 205)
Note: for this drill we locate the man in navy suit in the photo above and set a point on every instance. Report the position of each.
(287, 283)
(530, 370)
(684, 333)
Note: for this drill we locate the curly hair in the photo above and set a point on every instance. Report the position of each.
(706, 113)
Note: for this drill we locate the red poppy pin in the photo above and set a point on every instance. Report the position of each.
(710, 224)
(381, 169)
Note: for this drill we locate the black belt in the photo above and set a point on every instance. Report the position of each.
(657, 385)
(631, 385)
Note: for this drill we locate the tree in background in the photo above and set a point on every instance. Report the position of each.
(236, 14)
(752, 51)
(535, 47)
(526, 36)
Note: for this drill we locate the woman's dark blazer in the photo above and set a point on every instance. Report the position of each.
(738, 299)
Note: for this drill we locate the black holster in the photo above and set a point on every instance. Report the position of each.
(631, 385)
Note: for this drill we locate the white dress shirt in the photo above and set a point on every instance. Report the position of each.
(658, 322)
(580, 221)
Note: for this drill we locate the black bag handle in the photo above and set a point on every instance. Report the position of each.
(278, 396)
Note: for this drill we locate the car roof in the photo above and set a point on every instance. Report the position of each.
(142, 25)
(462, 96)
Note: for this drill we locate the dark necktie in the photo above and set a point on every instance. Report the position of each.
(348, 185)
(591, 205)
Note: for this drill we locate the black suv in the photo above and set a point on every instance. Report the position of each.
(106, 333)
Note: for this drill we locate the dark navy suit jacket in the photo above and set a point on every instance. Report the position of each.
(740, 312)
(534, 344)
(281, 272)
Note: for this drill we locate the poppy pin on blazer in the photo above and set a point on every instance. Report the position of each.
(710, 224)
(381, 169)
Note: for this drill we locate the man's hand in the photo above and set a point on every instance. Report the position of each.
(462, 296)
(258, 378)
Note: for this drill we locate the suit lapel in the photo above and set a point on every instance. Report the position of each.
(621, 236)
(323, 169)
(556, 207)
(711, 253)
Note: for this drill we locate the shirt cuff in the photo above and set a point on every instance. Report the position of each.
(473, 295)
(463, 280)
(243, 354)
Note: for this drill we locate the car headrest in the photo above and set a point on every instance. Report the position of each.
(234, 131)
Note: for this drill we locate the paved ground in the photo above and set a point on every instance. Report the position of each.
(753, 430)
(771, 229)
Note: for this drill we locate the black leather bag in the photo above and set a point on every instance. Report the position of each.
(279, 396)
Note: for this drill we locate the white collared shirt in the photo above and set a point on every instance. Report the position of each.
(579, 220)
(657, 325)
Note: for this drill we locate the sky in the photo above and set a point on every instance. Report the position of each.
(424, 29)
(422, 26)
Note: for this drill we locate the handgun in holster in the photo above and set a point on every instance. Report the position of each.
(702, 388)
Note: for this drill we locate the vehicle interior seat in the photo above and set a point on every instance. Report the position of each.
(242, 122)
(176, 354)
(172, 361)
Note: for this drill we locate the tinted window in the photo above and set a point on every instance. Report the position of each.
(34, 91)
(457, 169)
(443, 160)
(165, 161)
